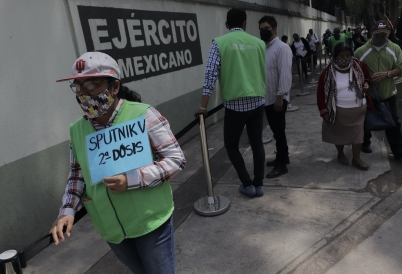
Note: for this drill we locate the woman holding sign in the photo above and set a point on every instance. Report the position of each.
(122, 156)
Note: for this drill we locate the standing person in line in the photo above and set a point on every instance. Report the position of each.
(132, 211)
(285, 40)
(358, 39)
(313, 50)
(343, 101)
(299, 47)
(338, 37)
(238, 59)
(384, 60)
(315, 38)
(279, 82)
(349, 36)
(325, 38)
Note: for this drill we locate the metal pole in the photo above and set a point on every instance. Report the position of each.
(301, 79)
(312, 80)
(210, 205)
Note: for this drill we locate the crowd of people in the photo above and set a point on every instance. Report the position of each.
(132, 210)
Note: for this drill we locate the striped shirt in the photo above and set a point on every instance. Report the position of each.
(211, 75)
(169, 161)
(279, 71)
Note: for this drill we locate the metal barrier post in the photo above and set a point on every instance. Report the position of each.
(312, 80)
(301, 79)
(210, 205)
(10, 263)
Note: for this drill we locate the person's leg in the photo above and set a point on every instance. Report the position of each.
(340, 150)
(127, 253)
(234, 123)
(156, 249)
(366, 148)
(304, 67)
(298, 60)
(277, 123)
(341, 155)
(394, 135)
(254, 131)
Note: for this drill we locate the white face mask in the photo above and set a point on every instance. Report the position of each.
(95, 106)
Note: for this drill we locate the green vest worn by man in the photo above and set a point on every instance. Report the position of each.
(388, 58)
(242, 72)
(342, 39)
(129, 214)
(349, 35)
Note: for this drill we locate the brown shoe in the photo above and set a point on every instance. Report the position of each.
(362, 166)
(343, 160)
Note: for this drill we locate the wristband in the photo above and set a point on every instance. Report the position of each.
(203, 108)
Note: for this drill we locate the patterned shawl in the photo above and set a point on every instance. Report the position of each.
(356, 82)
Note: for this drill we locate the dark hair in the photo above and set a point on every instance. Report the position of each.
(284, 38)
(295, 34)
(341, 47)
(125, 92)
(235, 18)
(348, 29)
(269, 19)
(337, 36)
(129, 95)
(310, 30)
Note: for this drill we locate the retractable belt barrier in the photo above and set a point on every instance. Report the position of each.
(210, 206)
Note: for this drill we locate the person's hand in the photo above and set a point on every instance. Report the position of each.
(378, 76)
(325, 117)
(278, 103)
(58, 225)
(117, 183)
(200, 111)
(366, 86)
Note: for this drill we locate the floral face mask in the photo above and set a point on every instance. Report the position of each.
(343, 63)
(95, 106)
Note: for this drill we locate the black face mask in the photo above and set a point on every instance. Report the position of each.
(378, 41)
(265, 34)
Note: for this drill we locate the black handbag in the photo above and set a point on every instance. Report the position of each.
(381, 117)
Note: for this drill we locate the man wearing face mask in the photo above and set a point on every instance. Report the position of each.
(279, 81)
(238, 60)
(384, 60)
(132, 211)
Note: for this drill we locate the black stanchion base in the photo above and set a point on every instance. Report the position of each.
(303, 94)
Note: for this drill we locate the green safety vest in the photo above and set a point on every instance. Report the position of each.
(129, 214)
(349, 34)
(242, 72)
(342, 39)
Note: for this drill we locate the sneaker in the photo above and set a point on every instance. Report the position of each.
(366, 149)
(259, 191)
(248, 191)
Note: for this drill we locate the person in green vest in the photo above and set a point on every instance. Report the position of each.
(338, 37)
(238, 60)
(349, 36)
(132, 210)
(384, 60)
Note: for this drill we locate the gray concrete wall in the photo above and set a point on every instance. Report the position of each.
(40, 40)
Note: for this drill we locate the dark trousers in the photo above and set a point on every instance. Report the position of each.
(314, 58)
(234, 123)
(277, 123)
(394, 135)
(303, 64)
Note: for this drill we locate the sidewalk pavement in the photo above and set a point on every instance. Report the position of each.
(321, 217)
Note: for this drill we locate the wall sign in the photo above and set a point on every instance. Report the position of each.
(144, 43)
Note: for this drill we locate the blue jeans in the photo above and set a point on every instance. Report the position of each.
(234, 123)
(152, 253)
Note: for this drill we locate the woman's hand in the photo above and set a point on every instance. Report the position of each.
(366, 86)
(58, 225)
(117, 183)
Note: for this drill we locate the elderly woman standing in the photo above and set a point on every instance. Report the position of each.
(343, 101)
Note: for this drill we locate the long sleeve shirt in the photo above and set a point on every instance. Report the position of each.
(279, 71)
(211, 75)
(169, 161)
